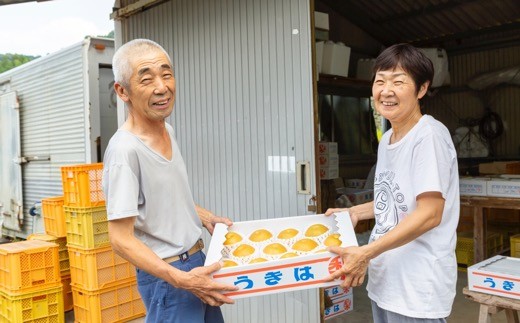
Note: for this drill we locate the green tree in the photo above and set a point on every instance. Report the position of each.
(9, 61)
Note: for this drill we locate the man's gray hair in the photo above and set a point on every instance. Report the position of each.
(121, 61)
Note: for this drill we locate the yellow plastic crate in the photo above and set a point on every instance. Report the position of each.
(119, 303)
(87, 228)
(63, 253)
(53, 216)
(98, 268)
(68, 303)
(515, 246)
(43, 306)
(82, 185)
(465, 246)
(26, 266)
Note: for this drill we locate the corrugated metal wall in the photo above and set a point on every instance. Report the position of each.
(52, 122)
(453, 105)
(243, 115)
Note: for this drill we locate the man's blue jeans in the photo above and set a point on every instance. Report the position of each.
(167, 304)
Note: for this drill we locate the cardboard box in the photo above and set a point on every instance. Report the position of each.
(329, 172)
(355, 183)
(357, 196)
(321, 20)
(473, 186)
(498, 275)
(365, 69)
(327, 148)
(281, 275)
(331, 160)
(504, 188)
(340, 305)
(336, 58)
(336, 292)
(508, 167)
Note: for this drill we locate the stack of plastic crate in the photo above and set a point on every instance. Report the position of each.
(104, 285)
(30, 282)
(55, 231)
(64, 266)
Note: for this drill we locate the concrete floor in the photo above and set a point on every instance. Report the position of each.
(464, 310)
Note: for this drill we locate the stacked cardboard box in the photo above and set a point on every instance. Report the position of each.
(328, 160)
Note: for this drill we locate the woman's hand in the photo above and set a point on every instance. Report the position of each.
(353, 217)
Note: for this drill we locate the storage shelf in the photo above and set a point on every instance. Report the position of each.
(344, 86)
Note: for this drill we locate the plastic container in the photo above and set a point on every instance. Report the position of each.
(27, 266)
(82, 185)
(98, 268)
(87, 228)
(515, 245)
(63, 253)
(336, 57)
(42, 306)
(53, 216)
(119, 303)
(465, 246)
(68, 302)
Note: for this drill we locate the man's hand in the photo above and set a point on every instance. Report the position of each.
(209, 220)
(355, 263)
(199, 282)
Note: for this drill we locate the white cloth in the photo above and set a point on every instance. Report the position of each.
(137, 181)
(417, 279)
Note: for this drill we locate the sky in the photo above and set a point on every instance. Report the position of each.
(41, 28)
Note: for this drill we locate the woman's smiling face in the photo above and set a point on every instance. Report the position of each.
(395, 94)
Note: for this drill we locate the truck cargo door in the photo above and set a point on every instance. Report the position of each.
(11, 203)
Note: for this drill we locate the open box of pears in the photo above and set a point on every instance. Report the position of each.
(281, 254)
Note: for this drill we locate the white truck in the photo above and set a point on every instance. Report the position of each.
(57, 110)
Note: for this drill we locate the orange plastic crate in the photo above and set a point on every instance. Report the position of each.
(63, 253)
(53, 216)
(68, 303)
(87, 228)
(119, 303)
(98, 268)
(29, 265)
(42, 306)
(82, 185)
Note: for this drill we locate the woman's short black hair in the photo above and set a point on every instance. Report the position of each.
(410, 59)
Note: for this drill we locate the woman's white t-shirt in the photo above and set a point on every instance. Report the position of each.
(417, 279)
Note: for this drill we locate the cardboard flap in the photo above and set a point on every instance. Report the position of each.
(345, 227)
(215, 247)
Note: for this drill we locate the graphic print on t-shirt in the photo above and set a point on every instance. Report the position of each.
(388, 202)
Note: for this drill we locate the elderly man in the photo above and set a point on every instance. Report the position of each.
(153, 220)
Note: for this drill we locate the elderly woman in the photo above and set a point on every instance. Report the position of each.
(410, 256)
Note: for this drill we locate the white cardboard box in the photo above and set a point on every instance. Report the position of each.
(336, 291)
(340, 305)
(329, 172)
(327, 148)
(473, 186)
(498, 275)
(331, 160)
(336, 58)
(321, 20)
(319, 56)
(357, 196)
(504, 188)
(281, 275)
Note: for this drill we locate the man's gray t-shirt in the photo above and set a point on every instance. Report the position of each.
(138, 181)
